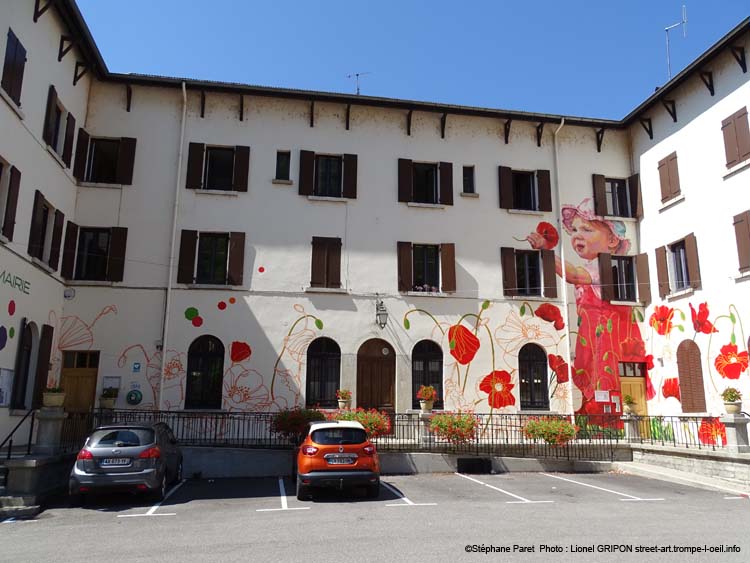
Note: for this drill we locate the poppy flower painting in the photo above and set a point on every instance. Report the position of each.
(661, 319)
(730, 363)
(550, 313)
(499, 389)
(700, 319)
(464, 344)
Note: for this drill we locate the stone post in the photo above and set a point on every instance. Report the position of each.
(49, 422)
(425, 435)
(737, 436)
(632, 432)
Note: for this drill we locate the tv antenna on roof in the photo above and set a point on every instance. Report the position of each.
(682, 23)
(356, 76)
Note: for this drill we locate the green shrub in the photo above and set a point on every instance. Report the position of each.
(376, 423)
(292, 423)
(456, 427)
(554, 431)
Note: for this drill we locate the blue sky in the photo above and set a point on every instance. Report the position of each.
(595, 58)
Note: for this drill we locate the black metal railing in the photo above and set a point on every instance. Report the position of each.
(701, 432)
(9, 438)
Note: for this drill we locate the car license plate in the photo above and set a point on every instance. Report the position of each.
(115, 461)
(340, 460)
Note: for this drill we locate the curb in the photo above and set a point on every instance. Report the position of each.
(681, 477)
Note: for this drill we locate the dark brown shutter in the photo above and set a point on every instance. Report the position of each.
(636, 200)
(731, 150)
(18, 394)
(70, 131)
(544, 190)
(405, 279)
(42, 365)
(194, 176)
(48, 133)
(689, 368)
(241, 168)
(674, 176)
(505, 187)
(19, 63)
(306, 173)
(664, 180)
(405, 180)
(550, 274)
(742, 129)
(235, 275)
(54, 253)
(318, 266)
(448, 266)
(186, 263)
(644, 279)
(125, 161)
(9, 221)
(116, 260)
(605, 277)
(36, 244)
(82, 149)
(508, 262)
(600, 194)
(662, 271)
(446, 183)
(691, 253)
(350, 176)
(742, 232)
(9, 64)
(69, 251)
(333, 263)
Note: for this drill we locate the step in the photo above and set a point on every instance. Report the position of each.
(19, 512)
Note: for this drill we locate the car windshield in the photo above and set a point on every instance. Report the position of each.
(339, 436)
(121, 437)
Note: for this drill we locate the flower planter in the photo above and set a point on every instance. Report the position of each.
(734, 407)
(627, 408)
(345, 404)
(425, 406)
(53, 399)
(107, 402)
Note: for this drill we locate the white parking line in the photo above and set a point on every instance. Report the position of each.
(521, 499)
(284, 503)
(12, 520)
(630, 498)
(737, 498)
(153, 509)
(400, 495)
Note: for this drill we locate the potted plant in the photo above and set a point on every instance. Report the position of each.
(53, 396)
(376, 423)
(427, 396)
(628, 402)
(732, 400)
(455, 427)
(344, 397)
(108, 397)
(554, 431)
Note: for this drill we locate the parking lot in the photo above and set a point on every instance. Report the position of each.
(436, 517)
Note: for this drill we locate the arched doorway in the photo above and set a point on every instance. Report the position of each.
(376, 375)
(692, 392)
(323, 373)
(205, 373)
(532, 369)
(427, 369)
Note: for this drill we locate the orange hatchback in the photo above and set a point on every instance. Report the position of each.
(338, 455)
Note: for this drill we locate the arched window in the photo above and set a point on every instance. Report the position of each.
(427, 369)
(205, 373)
(24, 366)
(692, 393)
(323, 373)
(532, 368)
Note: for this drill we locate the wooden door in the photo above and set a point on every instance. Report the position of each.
(376, 376)
(78, 379)
(636, 388)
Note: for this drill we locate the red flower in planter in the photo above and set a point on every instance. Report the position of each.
(671, 388)
(239, 352)
(550, 313)
(499, 388)
(550, 235)
(661, 319)
(464, 343)
(730, 363)
(710, 430)
(560, 367)
(700, 319)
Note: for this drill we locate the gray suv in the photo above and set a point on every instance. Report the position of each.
(127, 457)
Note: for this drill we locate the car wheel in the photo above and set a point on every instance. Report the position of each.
(178, 474)
(303, 492)
(373, 491)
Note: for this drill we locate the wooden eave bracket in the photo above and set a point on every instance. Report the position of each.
(40, 8)
(242, 107)
(312, 113)
(80, 71)
(203, 103)
(739, 55)
(647, 126)
(408, 122)
(65, 49)
(599, 139)
(443, 120)
(506, 128)
(671, 108)
(348, 115)
(708, 79)
(128, 97)
(539, 130)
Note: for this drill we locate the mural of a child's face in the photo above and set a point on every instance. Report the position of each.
(589, 238)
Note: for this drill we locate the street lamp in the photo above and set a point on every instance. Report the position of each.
(381, 313)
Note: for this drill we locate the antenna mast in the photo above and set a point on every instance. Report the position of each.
(682, 23)
(356, 76)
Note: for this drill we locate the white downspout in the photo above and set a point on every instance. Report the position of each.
(175, 211)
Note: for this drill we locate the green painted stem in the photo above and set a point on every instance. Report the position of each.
(426, 313)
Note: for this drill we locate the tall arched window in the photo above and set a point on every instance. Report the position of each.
(692, 392)
(323, 373)
(532, 368)
(205, 373)
(427, 369)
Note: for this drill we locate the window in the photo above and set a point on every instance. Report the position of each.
(426, 267)
(213, 250)
(669, 177)
(219, 168)
(425, 183)
(326, 262)
(427, 369)
(103, 160)
(80, 360)
(524, 191)
(102, 165)
(632, 369)
(205, 372)
(328, 176)
(469, 180)
(59, 127)
(679, 268)
(528, 274)
(742, 234)
(623, 278)
(10, 181)
(93, 254)
(15, 61)
(532, 369)
(323, 373)
(283, 160)
(618, 198)
(211, 258)
(736, 137)
(45, 235)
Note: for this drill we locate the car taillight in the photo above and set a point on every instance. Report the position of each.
(84, 454)
(150, 453)
(369, 450)
(309, 450)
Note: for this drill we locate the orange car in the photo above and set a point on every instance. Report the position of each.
(337, 454)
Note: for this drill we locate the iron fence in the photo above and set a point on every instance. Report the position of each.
(701, 432)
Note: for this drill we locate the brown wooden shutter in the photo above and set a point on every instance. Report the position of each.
(550, 274)
(9, 221)
(19, 63)
(405, 181)
(306, 173)
(605, 277)
(194, 176)
(9, 66)
(508, 262)
(350, 176)
(69, 251)
(544, 190)
(235, 275)
(448, 266)
(57, 230)
(742, 233)
(731, 150)
(505, 187)
(36, 244)
(318, 266)
(742, 129)
(70, 131)
(48, 133)
(662, 271)
(600, 194)
(691, 253)
(446, 183)
(664, 180)
(116, 260)
(333, 263)
(674, 176)
(405, 277)
(636, 199)
(689, 368)
(42, 365)
(186, 263)
(82, 149)
(125, 161)
(241, 168)
(644, 279)
(18, 394)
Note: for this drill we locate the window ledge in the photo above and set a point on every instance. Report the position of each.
(15, 107)
(529, 298)
(326, 198)
(230, 193)
(43, 265)
(626, 303)
(469, 194)
(671, 203)
(526, 212)
(57, 157)
(326, 290)
(743, 277)
(680, 294)
(425, 205)
(737, 168)
(427, 294)
(624, 219)
(92, 283)
(280, 182)
(100, 185)
(207, 286)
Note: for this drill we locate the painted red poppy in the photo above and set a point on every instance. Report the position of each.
(633, 348)
(560, 367)
(550, 235)
(464, 343)
(239, 352)
(730, 363)
(499, 388)
(711, 431)
(650, 362)
(550, 313)
(661, 319)
(700, 319)
(671, 388)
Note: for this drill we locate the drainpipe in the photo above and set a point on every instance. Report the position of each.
(175, 211)
(566, 316)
